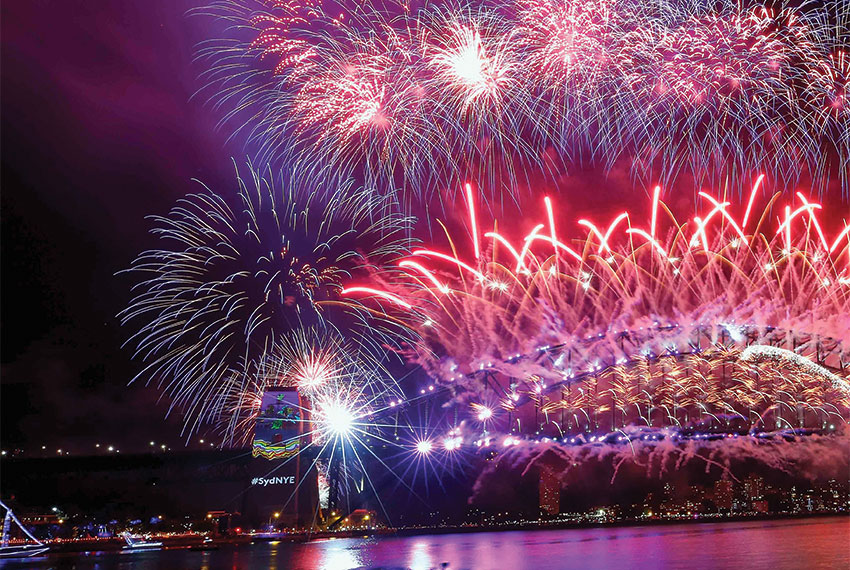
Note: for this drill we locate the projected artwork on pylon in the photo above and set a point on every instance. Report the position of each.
(278, 425)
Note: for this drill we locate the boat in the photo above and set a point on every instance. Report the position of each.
(138, 543)
(23, 550)
(207, 544)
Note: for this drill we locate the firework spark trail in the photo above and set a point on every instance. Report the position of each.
(644, 324)
(415, 96)
(230, 283)
(771, 352)
(245, 295)
(341, 399)
(327, 370)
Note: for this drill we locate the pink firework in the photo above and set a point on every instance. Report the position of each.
(278, 37)
(473, 67)
(707, 59)
(832, 81)
(444, 92)
(352, 99)
(547, 310)
(570, 42)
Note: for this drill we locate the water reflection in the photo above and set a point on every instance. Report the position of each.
(339, 555)
(772, 545)
(420, 558)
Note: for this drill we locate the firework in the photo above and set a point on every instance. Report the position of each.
(328, 371)
(423, 96)
(474, 66)
(659, 326)
(342, 405)
(228, 285)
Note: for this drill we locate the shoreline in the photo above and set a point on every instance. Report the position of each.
(185, 542)
(568, 525)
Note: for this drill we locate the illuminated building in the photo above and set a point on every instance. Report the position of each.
(550, 492)
(723, 495)
(754, 488)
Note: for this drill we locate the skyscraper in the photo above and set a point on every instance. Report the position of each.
(550, 492)
(723, 495)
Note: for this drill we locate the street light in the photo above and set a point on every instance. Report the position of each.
(275, 515)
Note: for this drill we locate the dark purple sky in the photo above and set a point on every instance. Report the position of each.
(99, 129)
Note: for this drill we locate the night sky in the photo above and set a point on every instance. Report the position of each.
(99, 130)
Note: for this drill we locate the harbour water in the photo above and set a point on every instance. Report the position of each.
(818, 543)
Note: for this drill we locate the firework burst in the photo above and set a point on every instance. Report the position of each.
(419, 97)
(217, 300)
(324, 368)
(659, 324)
